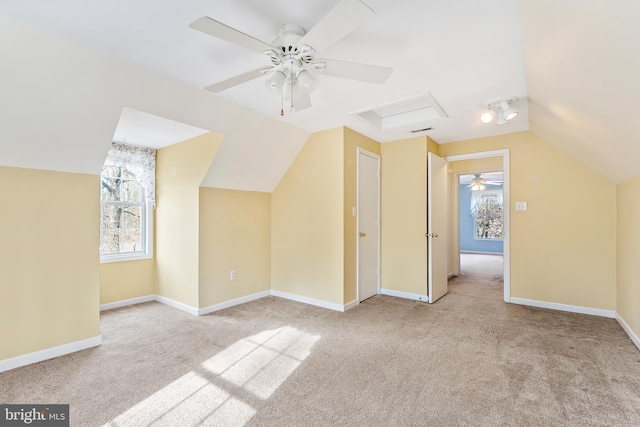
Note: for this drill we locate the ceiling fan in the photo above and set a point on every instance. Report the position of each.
(292, 54)
(478, 183)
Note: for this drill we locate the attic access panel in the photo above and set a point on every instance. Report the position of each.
(411, 111)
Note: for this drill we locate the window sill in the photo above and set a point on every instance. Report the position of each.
(125, 257)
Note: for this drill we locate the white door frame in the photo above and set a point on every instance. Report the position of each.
(506, 185)
(377, 158)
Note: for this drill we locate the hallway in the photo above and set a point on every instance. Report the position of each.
(481, 276)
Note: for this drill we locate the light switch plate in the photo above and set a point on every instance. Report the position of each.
(521, 206)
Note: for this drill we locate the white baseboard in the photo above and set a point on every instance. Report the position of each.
(175, 304)
(564, 307)
(350, 305)
(627, 329)
(164, 300)
(308, 300)
(405, 295)
(231, 303)
(49, 353)
(126, 302)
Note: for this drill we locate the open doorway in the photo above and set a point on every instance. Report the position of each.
(477, 264)
(480, 235)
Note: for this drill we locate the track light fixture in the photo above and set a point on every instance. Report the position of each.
(500, 119)
(508, 112)
(502, 110)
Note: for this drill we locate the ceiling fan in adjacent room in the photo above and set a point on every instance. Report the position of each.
(479, 183)
(292, 54)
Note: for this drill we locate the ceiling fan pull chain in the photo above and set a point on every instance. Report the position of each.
(291, 85)
(282, 104)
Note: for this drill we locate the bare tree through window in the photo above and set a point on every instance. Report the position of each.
(488, 211)
(121, 211)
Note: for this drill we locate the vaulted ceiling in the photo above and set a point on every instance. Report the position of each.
(571, 64)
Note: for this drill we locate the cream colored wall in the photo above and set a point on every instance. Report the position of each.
(352, 141)
(488, 164)
(628, 249)
(235, 234)
(49, 271)
(180, 169)
(403, 215)
(125, 280)
(563, 248)
(307, 221)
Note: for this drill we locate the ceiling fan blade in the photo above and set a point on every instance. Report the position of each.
(235, 81)
(224, 32)
(351, 70)
(340, 21)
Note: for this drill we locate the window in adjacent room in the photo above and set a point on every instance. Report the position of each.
(487, 210)
(127, 192)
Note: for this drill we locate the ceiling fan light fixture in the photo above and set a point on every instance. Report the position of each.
(275, 84)
(306, 81)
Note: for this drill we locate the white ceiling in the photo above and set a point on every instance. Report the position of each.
(573, 64)
(463, 53)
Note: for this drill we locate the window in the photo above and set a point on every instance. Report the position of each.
(488, 212)
(125, 208)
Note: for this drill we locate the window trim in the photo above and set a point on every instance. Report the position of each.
(147, 238)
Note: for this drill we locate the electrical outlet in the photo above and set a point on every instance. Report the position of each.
(232, 275)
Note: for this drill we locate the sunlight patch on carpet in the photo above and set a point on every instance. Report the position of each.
(188, 401)
(262, 362)
(259, 364)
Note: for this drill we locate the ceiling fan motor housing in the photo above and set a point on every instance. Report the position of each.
(287, 44)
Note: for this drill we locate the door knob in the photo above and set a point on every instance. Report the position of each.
(363, 234)
(430, 234)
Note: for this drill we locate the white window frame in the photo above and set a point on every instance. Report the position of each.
(146, 222)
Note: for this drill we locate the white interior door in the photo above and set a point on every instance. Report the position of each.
(368, 215)
(437, 225)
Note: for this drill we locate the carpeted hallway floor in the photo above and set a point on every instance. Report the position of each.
(386, 362)
(480, 276)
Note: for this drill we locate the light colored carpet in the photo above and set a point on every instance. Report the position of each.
(480, 276)
(386, 362)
